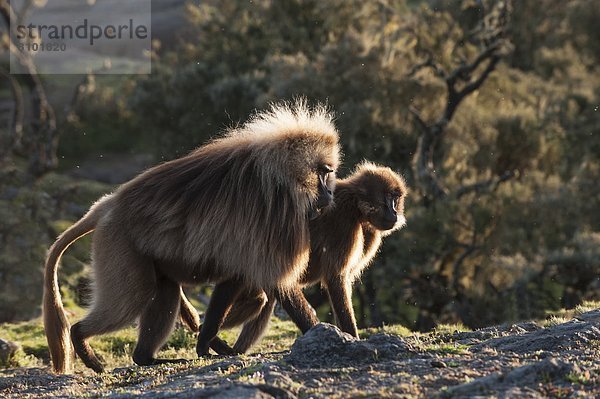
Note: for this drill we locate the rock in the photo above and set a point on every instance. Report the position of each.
(591, 316)
(560, 337)
(276, 378)
(438, 364)
(326, 346)
(389, 346)
(528, 326)
(7, 350)
(474, 337)
(29, 211)
(549, 369)
(241, 392)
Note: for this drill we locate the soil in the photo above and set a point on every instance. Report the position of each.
(522, 360)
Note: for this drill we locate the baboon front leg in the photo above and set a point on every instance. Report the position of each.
(156, 322)
(298, 308)
(340, 297)
(254, 329)
(223, 297)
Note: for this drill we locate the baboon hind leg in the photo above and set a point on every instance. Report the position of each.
(95, 323)
(222, 299)
(189, 317)
(247, 306)
(254, 329)
(122, 287)
(157, 321)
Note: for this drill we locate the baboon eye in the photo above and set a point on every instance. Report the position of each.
(325, 169)
(392, 199)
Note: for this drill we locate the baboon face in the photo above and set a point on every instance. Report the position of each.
(326, 183)
(321, 185)
(382, 202)
(317, 174)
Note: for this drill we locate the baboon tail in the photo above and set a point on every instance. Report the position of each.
(188, 314)
(56, 325)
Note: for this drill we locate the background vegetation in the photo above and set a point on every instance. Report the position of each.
(490, 109)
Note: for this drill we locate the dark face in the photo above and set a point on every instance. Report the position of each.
(325, 184)
(385, 210)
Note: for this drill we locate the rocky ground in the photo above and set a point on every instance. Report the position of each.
(522, 360)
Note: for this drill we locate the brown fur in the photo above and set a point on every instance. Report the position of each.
(188, 314)
(344, 240)
(233, 212)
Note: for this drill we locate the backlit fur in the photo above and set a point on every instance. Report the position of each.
(344, 241)
(234, 208)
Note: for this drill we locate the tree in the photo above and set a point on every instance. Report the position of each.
(490, 37)
(41, 142)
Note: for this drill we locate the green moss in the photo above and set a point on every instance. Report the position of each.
(78, 191)
(396, 329)
(30, 335)
(446, 348)
(450, 328)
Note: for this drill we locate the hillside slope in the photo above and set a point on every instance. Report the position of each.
(525, 360)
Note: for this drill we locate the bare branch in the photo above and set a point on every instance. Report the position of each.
(428, 63)
(460, 83)
(456, 268)
(24, 12)
(469, 249)
(417, 115)
(484, 186)
(471, 87)
(18, 113)
(464, 71)
(44, 143)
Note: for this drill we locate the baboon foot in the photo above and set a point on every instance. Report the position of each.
(142, 360)
(84, 350)
(222, 347)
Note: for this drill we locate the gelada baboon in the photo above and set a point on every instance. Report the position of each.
(234, 212)
(369, 205)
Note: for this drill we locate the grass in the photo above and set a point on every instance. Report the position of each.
(443, 329)
(582, 378)
(560, 316)
(30, 336)
(554, 321)
(444, 348)
(115, 349)
(397, 329)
